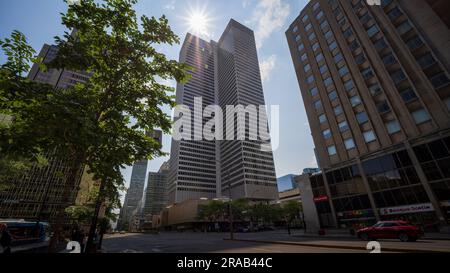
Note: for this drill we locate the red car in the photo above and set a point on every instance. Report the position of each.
(391, 230)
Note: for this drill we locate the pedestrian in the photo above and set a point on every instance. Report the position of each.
(5, 239)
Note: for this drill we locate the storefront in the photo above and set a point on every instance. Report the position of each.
(356, 219)
(422, 215)
(446, 210)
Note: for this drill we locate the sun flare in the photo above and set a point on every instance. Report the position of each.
(198, 22)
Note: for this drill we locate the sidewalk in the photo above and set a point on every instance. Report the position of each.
(346, 235)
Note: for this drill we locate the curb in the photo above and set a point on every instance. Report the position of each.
(389, 249)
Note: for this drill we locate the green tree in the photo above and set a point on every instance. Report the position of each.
(291, 211)
(212, 211)
(90, 123)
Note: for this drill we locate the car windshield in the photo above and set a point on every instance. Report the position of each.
(378, 224)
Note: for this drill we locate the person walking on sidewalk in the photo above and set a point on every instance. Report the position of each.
(5, 240)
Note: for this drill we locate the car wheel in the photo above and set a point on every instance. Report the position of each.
(404, 237)
(364, 236)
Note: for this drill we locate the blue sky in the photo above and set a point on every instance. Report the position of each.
(40, 21)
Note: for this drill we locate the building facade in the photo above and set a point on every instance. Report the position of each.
(375, 85)
(226, 73)
(156, 198)
(40, 193)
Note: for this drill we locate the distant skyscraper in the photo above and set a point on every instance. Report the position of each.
(156, 193)
(39, 193)
(286, 183)
(133, 203)
(375, 84)
(226, 73)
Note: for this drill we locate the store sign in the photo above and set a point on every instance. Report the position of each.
(355, 214)
(407, 209)
(321, 198)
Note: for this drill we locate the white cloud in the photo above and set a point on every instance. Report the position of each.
(170, 5)
(269, 16)
(246, 3)
(267, 66)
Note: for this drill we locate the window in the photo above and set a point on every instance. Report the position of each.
(305, 18)
(408, 95)
(375, 89)
(365, 18)
(362, 117)
(338, 58)
(310, 79)
(301, 47)
(333, 95)
(354, 45)
(348, 32)
(355, 101)
(343, 126)
(393, 127)
(318, 105)
(389, 59)
(313, 91)
(304, 57)
(426, 60)
(420, 116)
(380, 44)
(333, 46)
(349, 85)
(447, 102)
(312, 36)
(316, 6)
(373, 30)
(319, 57)
(367, 73)
(308, 27)
(343, 71)
(324, 24)
(328, 81)
(319, 15)
(297, 38)
(328, 35)
(404, 27)
(337, 12)
(338, 110)
(398, 76)
(383, 107)
(349, 144)
(307, 67)
(322, 119)
(394, 13)
(360, 59)
(315, 46)
(440, 80)
(414, 43)
(369, 136)
(342, 21)
(295, 30)
(327, 134)
(323, 69)
(332, 150)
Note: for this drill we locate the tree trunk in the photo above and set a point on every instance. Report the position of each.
(93, 228)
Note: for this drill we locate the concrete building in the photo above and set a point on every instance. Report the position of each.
(132, 209)
(289, 195)
(375, 85)
(156, 198)
(226, 73)
(39, 194)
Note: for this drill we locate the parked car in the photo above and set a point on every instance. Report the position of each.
(401, 230)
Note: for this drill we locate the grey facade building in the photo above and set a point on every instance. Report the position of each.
(226, 73)
(132, 208)
(376, 88)
(39, 194)
(156, 197)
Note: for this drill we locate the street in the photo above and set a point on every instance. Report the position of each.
(190, 242)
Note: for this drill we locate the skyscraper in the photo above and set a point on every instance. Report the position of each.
(156, 192)
(375, 85)
(225, 73)
(134, 202)
(39, 193)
